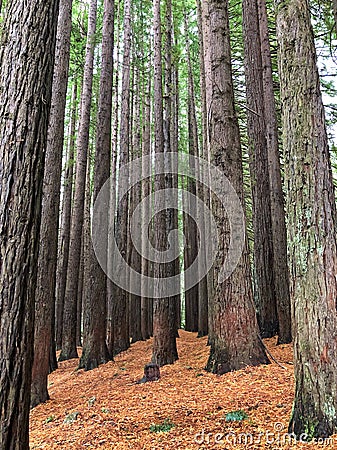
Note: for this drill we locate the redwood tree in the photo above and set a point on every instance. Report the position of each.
(46, 279)
(69, 349)
(95, 350)
(279, 232)
(164, 331)
(121, 297)
(235, 342)
(259, 176)
(311, 225)
(27, 57)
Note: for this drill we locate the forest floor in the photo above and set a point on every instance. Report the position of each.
(187, 408)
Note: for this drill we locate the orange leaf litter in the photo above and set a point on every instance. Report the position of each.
(113, 412)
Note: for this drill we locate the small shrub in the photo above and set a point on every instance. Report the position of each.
(50, 419)
(163, 427)
(236, 416)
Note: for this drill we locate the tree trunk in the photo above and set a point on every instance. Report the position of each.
(311, 225)
(30, 31)
(46, 277)
(171, 138)
(121, 297)
(69, 349)
(206, 82)
(334, 5)
(115, 120)
(146, 190)
(258, 155)
(81, 288)
(164, 344)
(136, 196)
(203, 192)
(65, 224)
(279, 232)
(190, 225)
(235, 342)
(95, 350)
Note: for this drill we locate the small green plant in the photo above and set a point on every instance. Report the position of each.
(50, 419)
(163, 427)
(105, 410)
(72, 417)
(236, 416)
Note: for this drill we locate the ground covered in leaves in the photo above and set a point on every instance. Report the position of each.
(187, 408)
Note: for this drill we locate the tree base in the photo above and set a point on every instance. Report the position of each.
(68, 354)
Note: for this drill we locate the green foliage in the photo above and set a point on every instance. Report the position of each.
(70, 418)
(50, 419)
(163, 427)
(236, 416)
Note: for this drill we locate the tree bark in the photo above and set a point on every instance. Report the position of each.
(95, 351)
(206, 82)
(46, 277)
(258, 155)
(311, 225)
(69, 349)
(136, 196)
(190, 226)
(27, 60)
(121, 297)
(203, 192)
(65, 224)
(164, 344)
(279, 232)
(235, 342)
(146, 190)
(115, 128)
(334, 5)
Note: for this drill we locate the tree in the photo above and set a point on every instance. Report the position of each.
(95, 350)
(164, 334)
(259, 176)
(190, 226)
(203, 192)
(27, 58)
(121, 297)
(334, 5)
(279, 232)
(69, 349)
(235, 342)
(61, 277)
(311, 225)
(146, 190)
(46, 278)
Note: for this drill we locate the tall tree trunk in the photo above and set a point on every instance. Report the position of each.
(279, 232)
(64, 239)
(69, 349)
(235, 342)
(136, 196)
(263, 244)
(80, 289)
(27, 60)
(206, 82)
(164, 344)
(311, 225)
(203, 192)
(115, 128)
(46, 277)
(95, 350)
(190, 226)
(146, 190)
(121, 297)
(334, 5)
